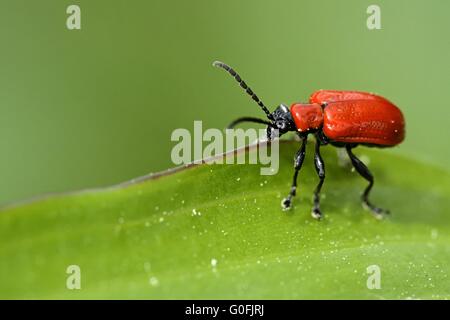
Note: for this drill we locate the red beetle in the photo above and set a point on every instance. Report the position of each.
(340, 118)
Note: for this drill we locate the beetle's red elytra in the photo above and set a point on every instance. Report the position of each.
(344, 119)
(351, 117)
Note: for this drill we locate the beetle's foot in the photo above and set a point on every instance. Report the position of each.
(378, 213)
(286, 203)
(316, 213)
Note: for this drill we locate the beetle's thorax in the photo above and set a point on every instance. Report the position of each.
(307, 117)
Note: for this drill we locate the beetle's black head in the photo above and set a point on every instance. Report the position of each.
(282, 119)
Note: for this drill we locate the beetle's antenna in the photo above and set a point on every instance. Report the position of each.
(244, 86)
(248, 119)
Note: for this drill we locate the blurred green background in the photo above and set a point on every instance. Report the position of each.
(96, 106)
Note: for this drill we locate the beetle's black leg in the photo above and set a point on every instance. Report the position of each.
(320, 169)
(298, 161)
(365, 173)
(269, 130)
(322, 138)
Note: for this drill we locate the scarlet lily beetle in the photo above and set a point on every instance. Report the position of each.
(344, 119)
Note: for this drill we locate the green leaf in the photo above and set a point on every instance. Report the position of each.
(217, 231)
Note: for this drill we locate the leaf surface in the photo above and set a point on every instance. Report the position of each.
(217, 231)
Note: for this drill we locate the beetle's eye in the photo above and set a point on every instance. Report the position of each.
(281, 125)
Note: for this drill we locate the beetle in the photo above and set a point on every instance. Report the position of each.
(344, 119)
